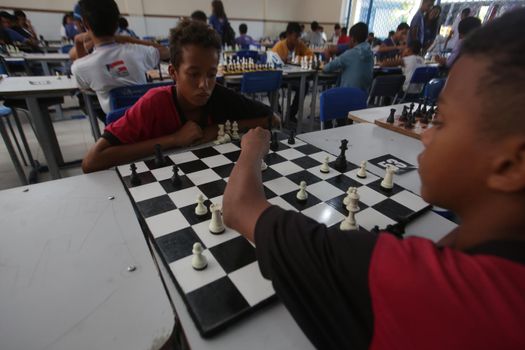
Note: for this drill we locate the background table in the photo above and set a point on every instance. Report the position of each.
(64, 260)
(369, 115)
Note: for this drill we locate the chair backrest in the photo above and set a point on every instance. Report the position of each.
(66, 48)
(423, 75)
(264, 81)
(126, 96)
(386, 86)
(247, 54)
(433, 89)
(337, 102)
(3, 66)
(116, 114)
(164, 42)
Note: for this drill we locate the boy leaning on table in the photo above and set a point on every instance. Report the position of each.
(181, 115)
(360, 290)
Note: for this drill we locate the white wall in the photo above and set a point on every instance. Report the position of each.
(156, 17)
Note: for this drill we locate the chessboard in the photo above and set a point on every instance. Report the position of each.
(231, 285)
(239, 66)
(409, 123)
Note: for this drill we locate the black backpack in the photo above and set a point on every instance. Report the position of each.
(228, 34)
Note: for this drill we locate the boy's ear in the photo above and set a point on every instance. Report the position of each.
(172, 72)
(507, 173)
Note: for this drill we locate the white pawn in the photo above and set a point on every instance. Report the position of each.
(388, 181)
(235, 131)
(346, 200)
(264, 166)
(228, 127)
(349, 223)
(362, 170)
(220, 135)
(353, 201)
(198, 261)
(325, 169)
(216, 225)
(302, 195)
(200, 209)
(226, 138)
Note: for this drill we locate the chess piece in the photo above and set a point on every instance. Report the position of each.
(220, 135)
(349, 223)
(274, 146)
(134, 179)
(426, 118)
(391, 117)
(340, 161)
(362, 170)
(302, 195)
(388, 182)
(175, 179)
(353, 200)
(228, 127)
(216, 225)
(346, 200)
(226, 138)
(159, 157)
(264, 166)
(58, 75)
(235, 131)
(200, 209)
(291, 139)
(404, 114)
(198, 261)
(325, 169)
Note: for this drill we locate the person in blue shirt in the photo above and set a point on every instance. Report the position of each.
(7, 23)
(394, 44)
(417, 26)
(244, 40)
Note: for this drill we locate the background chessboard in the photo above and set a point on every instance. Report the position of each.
(232, 285)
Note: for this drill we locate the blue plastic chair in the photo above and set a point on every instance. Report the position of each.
(433, 89)
(264, 81)
(419, 80)
(386, 86)
(126, 96)
(3, 66)
(247, 54)
(66, 48)
(116, 114)
(164, 42)
(335, 103)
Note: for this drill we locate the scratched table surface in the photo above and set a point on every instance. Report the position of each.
(76, 271)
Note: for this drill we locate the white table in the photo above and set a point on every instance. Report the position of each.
(370, 115)
(35, 91)
(367, 141)
(64, 258)
(43, 58)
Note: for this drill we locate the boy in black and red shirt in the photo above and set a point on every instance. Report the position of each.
(180, 115)
(357, 290)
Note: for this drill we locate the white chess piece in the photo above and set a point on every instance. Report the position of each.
(200, 209)
(264, 166)
(353, 201)
(346, 200)
(226, 138)
(349, 223)
(198, 261)
(216, 225)
(228, 127)
(220, 135)
(388, 181)
(325, 169)
(362, 170)
(302, 195)
(235, 131)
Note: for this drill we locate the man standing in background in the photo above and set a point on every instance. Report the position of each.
(453, 37)
(417, 26)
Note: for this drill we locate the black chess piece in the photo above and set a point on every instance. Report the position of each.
(274, 146)
(409, 124)
(417, 113)
(391, 117)
(134, 179)
(426, 118)
(424, 109)
(291, 139)
(159, 157)
(404, 114)
(175, 179)
(340, 162)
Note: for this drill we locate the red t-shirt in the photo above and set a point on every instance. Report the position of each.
(157, 114)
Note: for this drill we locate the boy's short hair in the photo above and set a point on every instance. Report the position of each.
(282, 35)
(293, 28)
(123, 23)
(243, 28)
(501, 43)
(415, 47)
(465, 11)
(199, 16)
(468, 24)
(6, 15)
(359, 32)
(314, 26)
(403, 26)
(101, 15)
(192, 33)
(19, 13)
(337, 26)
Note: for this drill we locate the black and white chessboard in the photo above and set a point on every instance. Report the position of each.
(232, 285)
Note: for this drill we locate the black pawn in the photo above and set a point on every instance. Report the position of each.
(417, 113)
(159, 157)
(175, 179)
(404, 114)
(340, 162)
(291, 139)
(410, 121)
(426, 118)
(391, 117)
(274, 146)
(134, 179)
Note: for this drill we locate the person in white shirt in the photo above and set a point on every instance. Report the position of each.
(315, 36)
(411, 61)
(337, 33)
(116, 60)
(453, 37)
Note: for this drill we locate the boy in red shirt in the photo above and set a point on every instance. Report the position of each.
(359, 290)
(181, 115)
